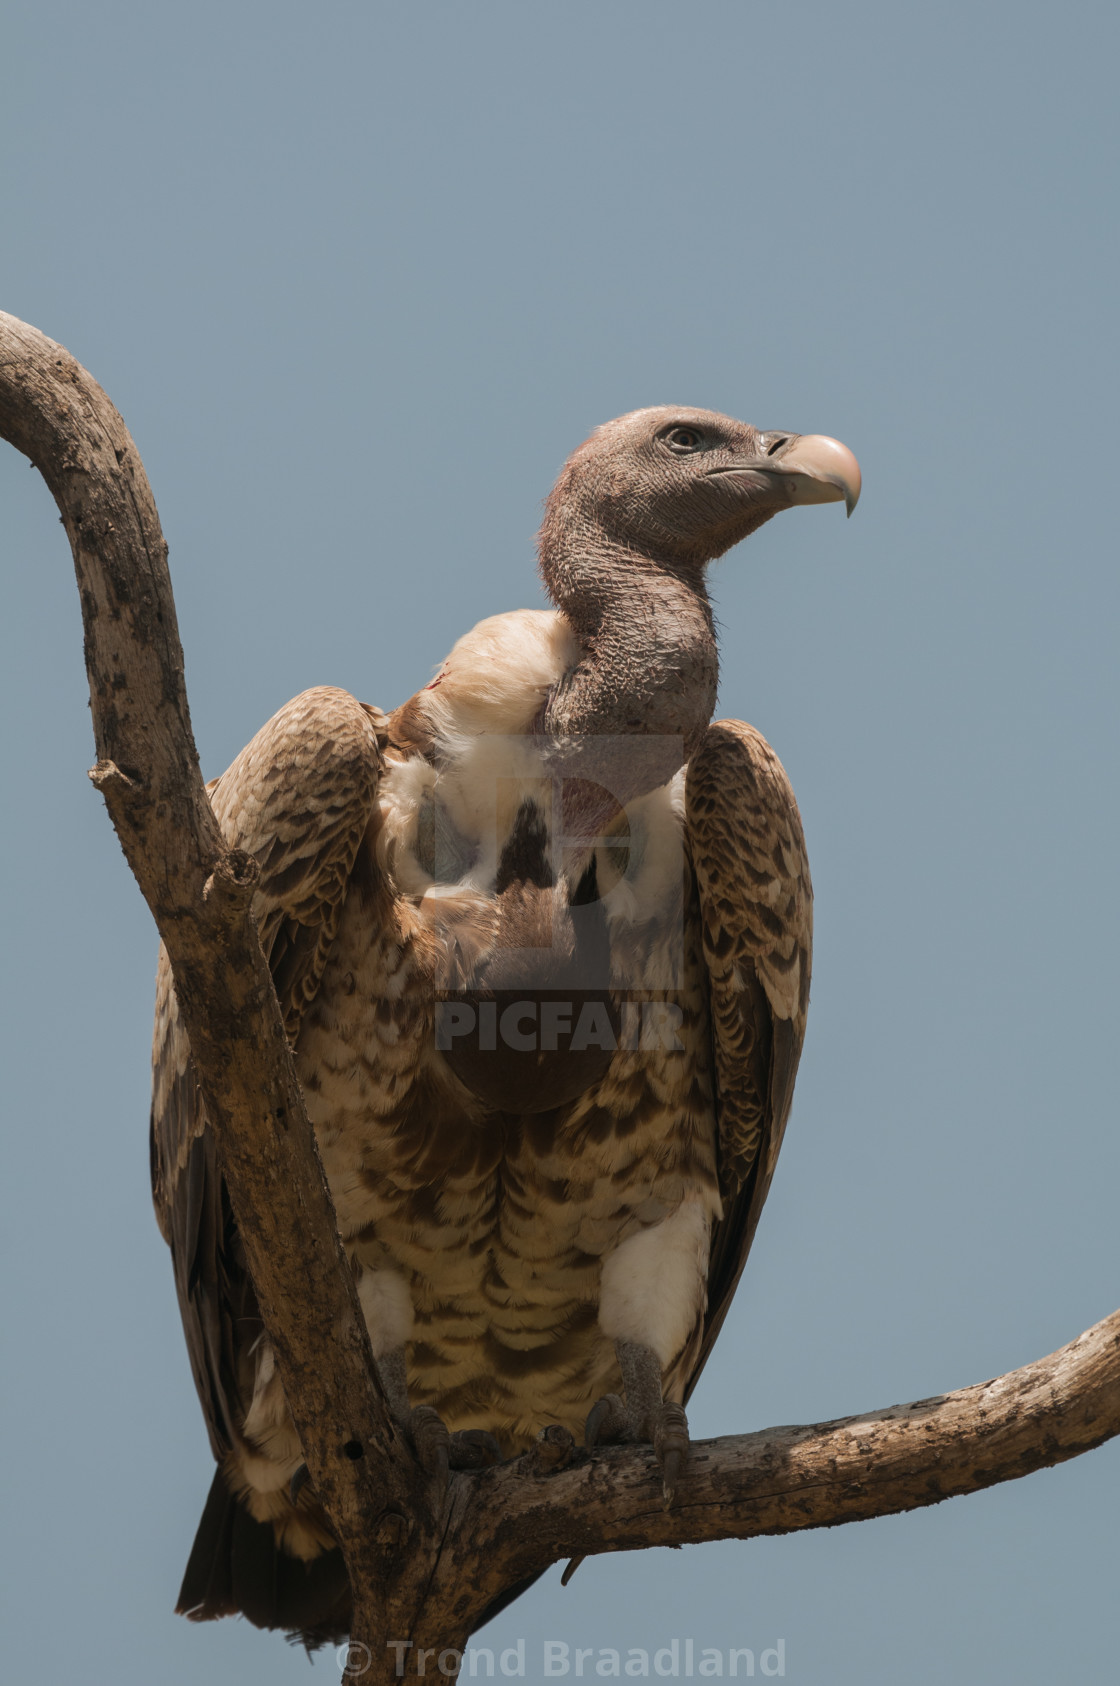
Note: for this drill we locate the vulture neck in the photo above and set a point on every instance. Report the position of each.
(649, 666)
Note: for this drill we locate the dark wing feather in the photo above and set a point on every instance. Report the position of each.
(299, 798)
(756, 909)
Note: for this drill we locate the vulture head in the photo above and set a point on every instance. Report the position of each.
(681, 486)
(639, 509)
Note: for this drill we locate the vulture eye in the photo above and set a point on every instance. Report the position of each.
(684, 439)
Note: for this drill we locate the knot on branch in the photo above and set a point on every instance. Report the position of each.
(388, 1540)
(124, 793)
(228, 892)
(96, 536)
(553, 1449)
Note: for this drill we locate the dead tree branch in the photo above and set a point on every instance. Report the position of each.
(813, 1476)
(199, 893)
(422, 1564)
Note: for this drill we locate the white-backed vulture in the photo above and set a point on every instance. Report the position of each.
(541, 939)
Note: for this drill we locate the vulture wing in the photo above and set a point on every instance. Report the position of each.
(756, 911)
(299, 798)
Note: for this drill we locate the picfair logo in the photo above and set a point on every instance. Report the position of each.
(546, 1026)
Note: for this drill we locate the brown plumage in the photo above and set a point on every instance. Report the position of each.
(542, 942)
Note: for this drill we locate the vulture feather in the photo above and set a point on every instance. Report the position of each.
(541, 940)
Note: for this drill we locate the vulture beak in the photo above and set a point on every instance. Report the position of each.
(816, 469)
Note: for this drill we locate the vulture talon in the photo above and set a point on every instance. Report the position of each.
(668, 1430)
(431, 1441)
(607, 1423)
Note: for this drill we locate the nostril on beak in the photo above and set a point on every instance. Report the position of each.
(776, 443)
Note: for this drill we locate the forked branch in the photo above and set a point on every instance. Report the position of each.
(423, 1564)
(199, 893)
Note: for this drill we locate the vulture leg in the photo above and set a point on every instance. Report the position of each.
(431, 1440)
(645, 1415)
(387, 1306)
(436, 1448)
(652, 1292)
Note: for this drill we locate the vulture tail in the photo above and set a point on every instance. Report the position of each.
(236, 1568)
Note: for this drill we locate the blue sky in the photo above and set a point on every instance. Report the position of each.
(358, 279)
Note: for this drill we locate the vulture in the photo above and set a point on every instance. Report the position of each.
(541, 939)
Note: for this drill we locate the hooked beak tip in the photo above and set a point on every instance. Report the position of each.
(826, 470)
(815, 468)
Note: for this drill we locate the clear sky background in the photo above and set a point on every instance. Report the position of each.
(359, 277)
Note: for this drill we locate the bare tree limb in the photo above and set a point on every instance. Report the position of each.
(815, 1476)
(422, 1565)
(199, 894)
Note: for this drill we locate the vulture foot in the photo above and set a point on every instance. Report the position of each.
(667, 1428)
(430, 1437)
(644, 1415)
(438, 1451)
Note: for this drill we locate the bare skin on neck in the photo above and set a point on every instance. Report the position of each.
(638, 512)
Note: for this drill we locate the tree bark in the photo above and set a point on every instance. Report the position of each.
(199, 893)
(425, 1564)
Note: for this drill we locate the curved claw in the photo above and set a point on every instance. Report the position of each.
(669, 1434)
(431, 1441)
(670, 1474)
(606, 1421)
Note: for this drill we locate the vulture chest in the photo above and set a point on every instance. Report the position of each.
(499, 1217)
